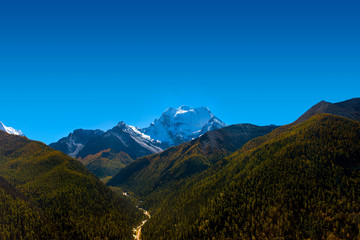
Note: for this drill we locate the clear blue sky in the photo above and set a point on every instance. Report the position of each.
(90, 64)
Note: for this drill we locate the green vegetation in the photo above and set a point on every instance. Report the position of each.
(173, 164)
(106, 163)
(19, 217)
(152, 178)
(48, 195)
(298, 182)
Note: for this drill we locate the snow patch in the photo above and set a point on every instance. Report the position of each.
(10, 130)
(137, 131)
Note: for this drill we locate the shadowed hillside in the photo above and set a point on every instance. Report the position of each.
(44, 185)
(349, 109)
(153, 177)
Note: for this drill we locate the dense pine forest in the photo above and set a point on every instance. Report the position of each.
(154, 177)
(47, 195)
(298, 182)
(106, 163)
(180, 120)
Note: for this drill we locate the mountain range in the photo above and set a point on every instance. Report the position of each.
(174, 127)
(106, 152)
(217, 187)
(297, 181)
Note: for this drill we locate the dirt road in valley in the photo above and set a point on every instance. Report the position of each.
(137, 230)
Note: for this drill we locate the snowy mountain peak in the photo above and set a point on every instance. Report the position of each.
(185, 110)
(10, 130)
(121, 124)
(177, 125)
(213, 124)
(133, 131)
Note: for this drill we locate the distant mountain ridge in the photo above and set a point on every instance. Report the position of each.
(75, 141)
(10, 130)
(121, 138)
(175, 126)
(104, 153)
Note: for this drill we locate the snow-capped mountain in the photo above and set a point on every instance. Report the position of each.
(178, 125)
(175, 126)
(213, 124)
(10, 130)
(122, 138)
(75, 141)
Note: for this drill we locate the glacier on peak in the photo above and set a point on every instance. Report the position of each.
(10, 130)
(177, 125)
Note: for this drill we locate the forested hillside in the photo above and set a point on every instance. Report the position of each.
(298, 182)
(20, 218)
(106, 163)
(349, 109)
(49, 195)
(154, 177)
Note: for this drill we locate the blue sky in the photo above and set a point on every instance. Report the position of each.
(90, 64)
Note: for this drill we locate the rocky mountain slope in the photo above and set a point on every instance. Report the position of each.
(74, 143)
(121, 138)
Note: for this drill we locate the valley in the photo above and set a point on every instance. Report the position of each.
(179, 120)
(241, 181)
